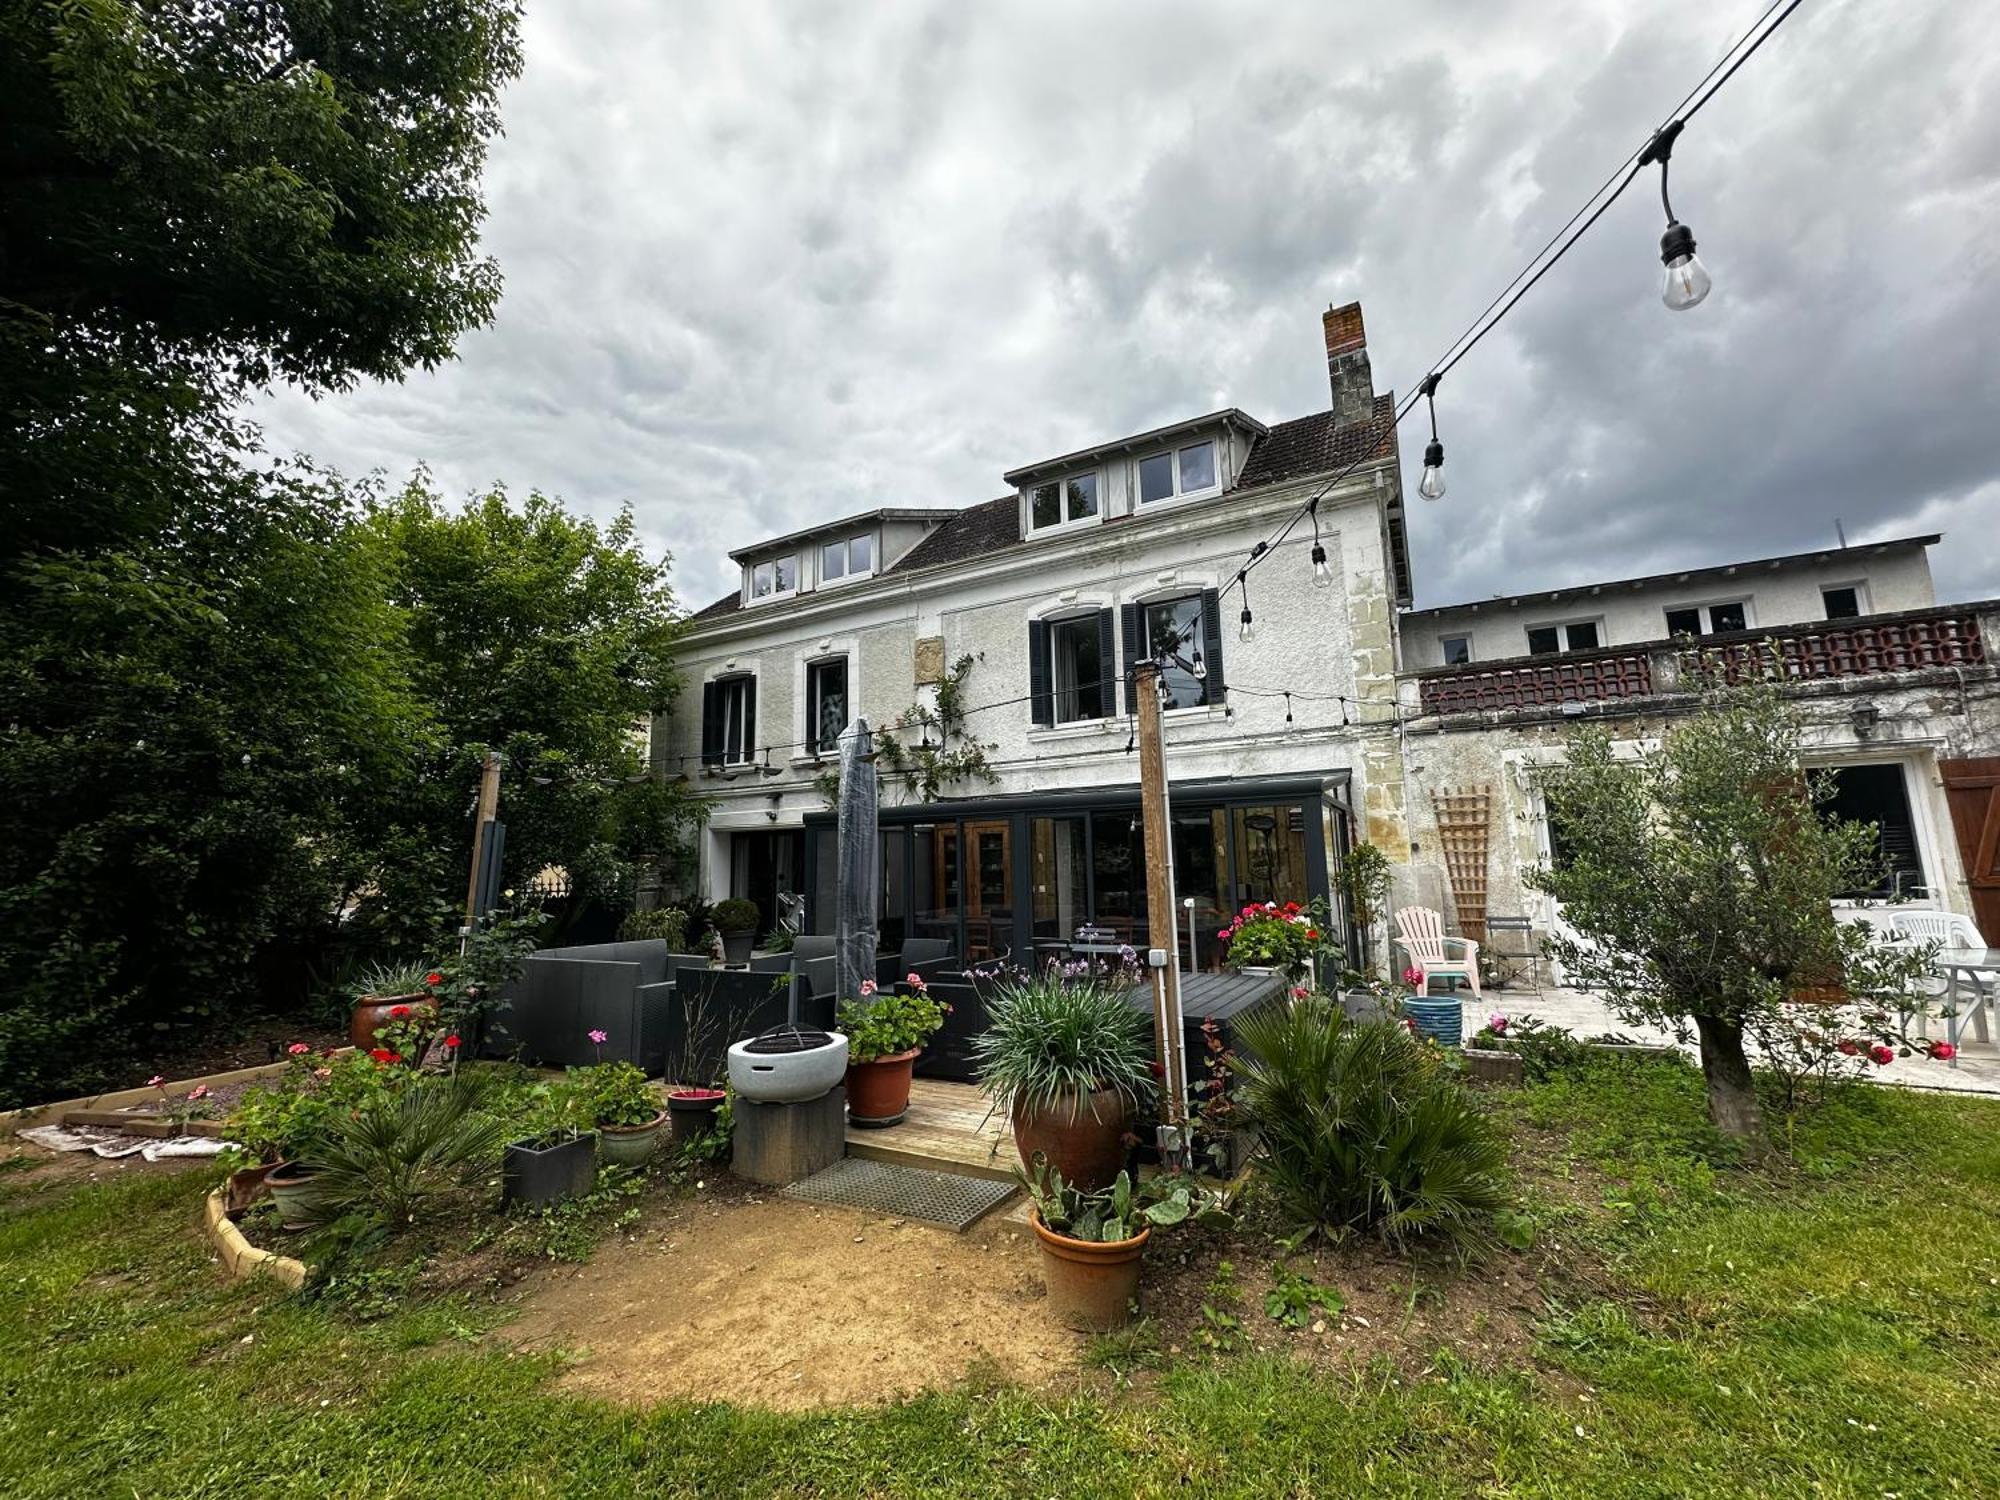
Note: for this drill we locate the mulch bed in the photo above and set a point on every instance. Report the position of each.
(254, 1041)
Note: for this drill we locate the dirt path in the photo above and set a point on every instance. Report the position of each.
(781, 1304)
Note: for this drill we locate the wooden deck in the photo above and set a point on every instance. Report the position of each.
(947, 1129)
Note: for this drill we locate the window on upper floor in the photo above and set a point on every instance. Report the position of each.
(728, 721)
(1847, 601)
(1181, 471)
(774, 576)
(1456, 649)
(1187, 632)
(826, 703)
(1708, 619)
(851, 557)
(1572, 635)
(1062, 501)
(1072, 668)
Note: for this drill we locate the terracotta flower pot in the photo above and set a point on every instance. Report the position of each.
(878, 1091)
(631, 1145)
(1082, 1137)
(1091, 1285)
(246, 1185)
(372, 1012)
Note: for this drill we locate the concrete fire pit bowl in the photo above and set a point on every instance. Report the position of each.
(787, 1064)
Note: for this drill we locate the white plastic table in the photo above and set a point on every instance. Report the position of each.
(1979, 967)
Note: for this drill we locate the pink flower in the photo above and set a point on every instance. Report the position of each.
(914, 980)
(1299, 992)
(1498, 1022)
(599, 1037)
(1413, 976)
(298, 1049)
(1943, 1051)
(1883, 1055)
(199, 1091)
(1223, 933)
(1847, 1047)
(156, 1080)
(322, 1073)
(867, 988)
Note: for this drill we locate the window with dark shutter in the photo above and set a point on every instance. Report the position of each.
(1129, 618)
(728, 720)
(711, 724)
(1211, 633)
(1042, 701)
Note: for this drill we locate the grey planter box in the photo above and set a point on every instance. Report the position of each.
(541, 1175)
(1483, 1065)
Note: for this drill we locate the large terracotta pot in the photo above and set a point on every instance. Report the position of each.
(372, 1012)
(1082, 1137)
(878, 1091)
(1091, 1285)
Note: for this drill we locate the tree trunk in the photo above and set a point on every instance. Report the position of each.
(1732, 1095)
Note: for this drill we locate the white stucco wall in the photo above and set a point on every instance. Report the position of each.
(1628, 615)
(1307, 640)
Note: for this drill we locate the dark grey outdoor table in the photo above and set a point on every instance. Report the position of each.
(1216, 997)
(1981, 966)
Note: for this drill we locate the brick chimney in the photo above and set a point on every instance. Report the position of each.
(1347, 368)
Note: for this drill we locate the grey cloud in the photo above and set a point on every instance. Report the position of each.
(766, 264)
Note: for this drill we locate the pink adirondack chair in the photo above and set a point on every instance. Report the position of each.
(1420, 933)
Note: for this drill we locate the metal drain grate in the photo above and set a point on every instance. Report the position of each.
(907, 1192)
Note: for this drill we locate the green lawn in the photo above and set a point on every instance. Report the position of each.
(1828, 1327)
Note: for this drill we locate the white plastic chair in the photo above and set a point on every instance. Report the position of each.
(1420, 933)
(1950, 929)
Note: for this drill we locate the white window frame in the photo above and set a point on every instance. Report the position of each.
(1564, 648)
(849, 573)
(750, 579)
(1065, 521)
(735, 687)
(1862, 605)
(1704, 609)
(1107, 672)
(1214, 445)
(815, 750)
(1444, 648)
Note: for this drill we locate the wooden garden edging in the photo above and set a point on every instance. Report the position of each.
(89, 1109)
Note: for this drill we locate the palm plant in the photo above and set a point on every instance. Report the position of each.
(1362, 1129)
(393, 1155)
(1052, 1040)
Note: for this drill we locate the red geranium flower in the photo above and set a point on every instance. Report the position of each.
(398, 1012)
(434, 978)
(1847, 1046)
(1882, 1055)
(452, 1040)
(384, 1055)
(1312, 934)
(1943, 1051)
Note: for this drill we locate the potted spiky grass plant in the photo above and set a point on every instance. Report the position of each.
(1070, 1058)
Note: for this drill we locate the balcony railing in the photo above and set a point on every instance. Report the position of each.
(1872, 645)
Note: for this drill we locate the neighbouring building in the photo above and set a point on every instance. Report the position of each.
(1901, 697)
(1029, 610)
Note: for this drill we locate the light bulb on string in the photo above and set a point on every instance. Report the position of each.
(1245, 626)
(1685, 281)
(1343, 713)
(1291, 727)
(1322, 574)
(1431, 486)
(1200, 668)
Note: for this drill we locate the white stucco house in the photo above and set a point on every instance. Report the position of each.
(1281, 749)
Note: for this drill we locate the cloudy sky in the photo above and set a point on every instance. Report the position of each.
(769, 265)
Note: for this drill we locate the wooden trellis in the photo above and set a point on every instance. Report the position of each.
(1461, 824)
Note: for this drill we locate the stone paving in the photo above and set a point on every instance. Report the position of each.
(1977, 1070)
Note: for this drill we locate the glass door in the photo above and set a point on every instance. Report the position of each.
(989, 890)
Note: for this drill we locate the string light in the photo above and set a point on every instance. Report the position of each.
(1685, 281)
(1199, 668)
(1322, 574)
(1290, 726)
(1431, 486)
(1246, 628)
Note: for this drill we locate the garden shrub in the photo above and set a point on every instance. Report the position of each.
(1364, 1129)
(668, 924)
(395, 1154)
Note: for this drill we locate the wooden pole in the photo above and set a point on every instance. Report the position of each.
(488, 810)
(1163, 930)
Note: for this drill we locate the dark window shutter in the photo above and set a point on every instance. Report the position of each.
(1211, 645)
(1107, 664)
(749, 718)
(1134, 618)
(711, 723)
(1043, 701)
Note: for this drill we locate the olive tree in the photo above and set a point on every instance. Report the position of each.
(1698, 874)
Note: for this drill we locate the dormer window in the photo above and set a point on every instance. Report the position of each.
(1062, 501)
(852, 557)
(775, 576)
(1178, 473)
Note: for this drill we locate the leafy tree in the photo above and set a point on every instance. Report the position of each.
(546, 636)
(1700, 873)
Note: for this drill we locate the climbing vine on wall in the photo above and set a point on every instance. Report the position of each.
(927, 749)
